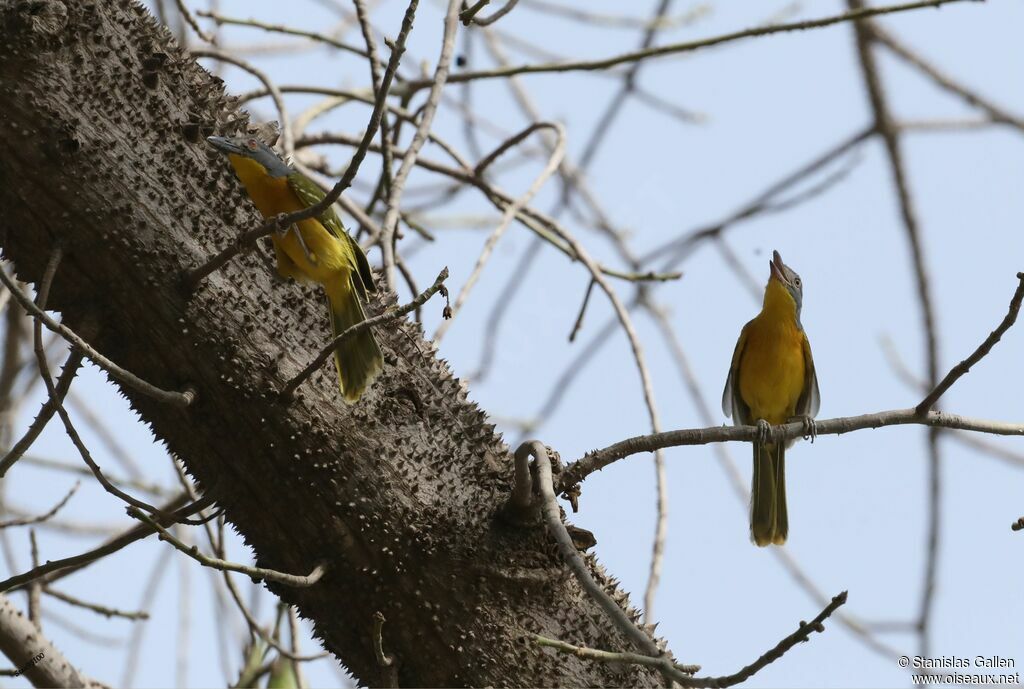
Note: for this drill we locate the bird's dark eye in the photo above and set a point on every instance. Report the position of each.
(796, 282)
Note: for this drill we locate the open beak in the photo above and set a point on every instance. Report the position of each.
(777, 267)
(225, 144)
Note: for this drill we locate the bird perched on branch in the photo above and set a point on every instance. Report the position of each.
(772, 381)
(315, 250)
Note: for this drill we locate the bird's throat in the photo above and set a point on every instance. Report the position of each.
(779, 304)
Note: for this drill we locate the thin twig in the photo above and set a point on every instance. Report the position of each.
(44, 372)
(971, 97)
(34, 589)
(100, 609)
(390, 223)
(675, 671)
(680, 247)
(983, 349)
(541, 224)
(259, 631)
(149, 592)
(615, 106)
(619, 21)
(516, 279)
(217, 563)
(583, 310)
(469, 16)
(677, 48)
(383, 659)
(683, 674)
(67, 375)
(191, 21)
(56, 465)
(105, 435)
(296, 648)
(43, 517)
(389, 672)
(510, 212)
(599, 459)
(287, 30)
(57, 569)
(384, 183)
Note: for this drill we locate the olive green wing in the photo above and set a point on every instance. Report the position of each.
(309, 193)
(810, 399)
(732, 402)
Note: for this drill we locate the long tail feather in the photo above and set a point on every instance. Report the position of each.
(358, 359)
(781, 516)
(769, 521)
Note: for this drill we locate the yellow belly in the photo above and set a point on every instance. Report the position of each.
(319, 256)
(771, 370)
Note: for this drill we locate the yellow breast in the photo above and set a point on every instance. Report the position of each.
(772, 372)
(771, 368)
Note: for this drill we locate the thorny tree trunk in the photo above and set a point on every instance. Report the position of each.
(102, 120)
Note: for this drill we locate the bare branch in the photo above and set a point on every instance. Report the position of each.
(56, 569)
(677, 48)
(540, 223)
(191, 21)
(549, 508)
(972, 98)
(279, 28)
(886, 128)
(55, 400)
(217, 563)
(100, 609)
(983, 349)
(23, 644)
(43, 517)
(675, 671)
(511, 210)
(388, 227)
(682, 674)
(599, 459)
(591, 18)
(468, 16)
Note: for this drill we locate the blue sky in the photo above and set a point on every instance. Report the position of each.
(857, 502)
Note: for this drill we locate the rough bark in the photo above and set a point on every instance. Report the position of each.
(101, 148)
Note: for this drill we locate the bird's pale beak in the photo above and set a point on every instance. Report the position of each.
(777, 267)
(225, 144)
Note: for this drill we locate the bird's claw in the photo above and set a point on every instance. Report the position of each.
(764, 431)
(810, 431)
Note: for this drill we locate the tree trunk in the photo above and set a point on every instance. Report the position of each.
(102, 128)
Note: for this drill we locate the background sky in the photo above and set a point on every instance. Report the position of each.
(856, 502)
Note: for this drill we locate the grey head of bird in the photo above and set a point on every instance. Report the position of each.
(789, 279)
(254, 149)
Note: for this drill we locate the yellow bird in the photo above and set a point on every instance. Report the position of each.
(772, 381)
(314, 250)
